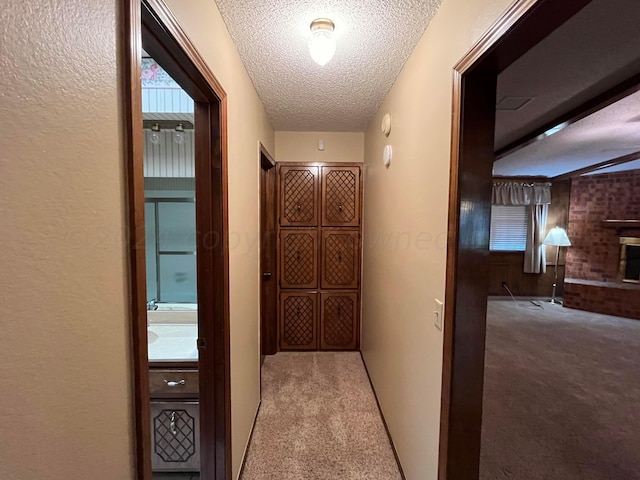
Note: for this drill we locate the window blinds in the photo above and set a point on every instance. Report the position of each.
(508, 228)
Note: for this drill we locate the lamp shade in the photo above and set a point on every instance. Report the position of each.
(557, 237)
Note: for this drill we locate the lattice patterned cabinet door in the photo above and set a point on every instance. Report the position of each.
(341, 196)
(339, 324)
(298, 321)
(299, 196)
(175, 437)
(340, 259)
(298, 259)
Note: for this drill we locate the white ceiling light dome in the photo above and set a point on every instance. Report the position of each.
(322, 44)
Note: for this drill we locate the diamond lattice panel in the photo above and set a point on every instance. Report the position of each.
(339, 261)
(340, 196)
(338, 321)
(299, 196)
(174, 439)
(298, 321)
(298, 260)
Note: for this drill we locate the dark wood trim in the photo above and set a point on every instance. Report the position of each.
(384, 422)
(152, 23)
(599, 166)
(525, 24)
(268, 254)
(618, 92)
(267, 162)
(134, 154)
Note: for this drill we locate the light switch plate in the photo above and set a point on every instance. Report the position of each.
(437, 313)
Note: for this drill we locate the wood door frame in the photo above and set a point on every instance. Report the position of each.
(268, 330)
(522, 26)
(152, 21)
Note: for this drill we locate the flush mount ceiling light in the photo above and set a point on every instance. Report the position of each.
(155, 133)
(322, 44)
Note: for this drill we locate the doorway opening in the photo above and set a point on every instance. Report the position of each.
(268, 256)
(189, 266)
(525, 24)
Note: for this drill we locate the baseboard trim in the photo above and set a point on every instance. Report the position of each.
(246, 447)
(384, 422)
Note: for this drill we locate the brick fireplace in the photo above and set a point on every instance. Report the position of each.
(603, 209)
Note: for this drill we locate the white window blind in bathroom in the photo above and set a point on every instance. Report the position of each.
(508, 228)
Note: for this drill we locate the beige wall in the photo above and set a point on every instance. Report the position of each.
(248, 124)
(405, 223)
(303, 147)
(65, 407)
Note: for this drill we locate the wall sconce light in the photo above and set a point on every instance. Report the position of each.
(557, 237)
(178, 135)
(155, 134)
(322, 44)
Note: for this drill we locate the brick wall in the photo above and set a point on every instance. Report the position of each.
(595, 251)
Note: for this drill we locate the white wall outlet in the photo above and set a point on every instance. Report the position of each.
(437, 313)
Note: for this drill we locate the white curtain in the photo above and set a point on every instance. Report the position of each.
(537, 197)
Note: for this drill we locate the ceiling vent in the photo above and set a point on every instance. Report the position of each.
(513, 103)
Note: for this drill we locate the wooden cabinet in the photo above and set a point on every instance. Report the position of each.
(340, 259)
(338, 320)
(319, 251)
(299, 202)
(175, 436)
(299, 258)
(340, 196)
(298, 321)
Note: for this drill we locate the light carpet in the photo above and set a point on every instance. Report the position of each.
(561, 395)
(318, 421)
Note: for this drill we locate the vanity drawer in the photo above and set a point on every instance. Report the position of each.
(172, 383)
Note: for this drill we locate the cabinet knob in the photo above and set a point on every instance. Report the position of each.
(299, 207)
(340, 208)
(266, 275)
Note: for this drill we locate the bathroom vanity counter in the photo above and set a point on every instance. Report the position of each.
(172, 342)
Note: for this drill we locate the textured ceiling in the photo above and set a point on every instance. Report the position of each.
(592, 52)
(609, 133)
(374, 39)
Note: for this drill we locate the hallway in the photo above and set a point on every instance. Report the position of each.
(318, 420)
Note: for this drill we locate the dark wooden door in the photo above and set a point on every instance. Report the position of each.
(268, 257)
(339, 321)
(299, 259)
(298, 320)
(299, 196)
(340, 196)
(340, 259)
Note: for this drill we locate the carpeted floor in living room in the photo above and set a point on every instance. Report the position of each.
(318, 421)
(561, 396)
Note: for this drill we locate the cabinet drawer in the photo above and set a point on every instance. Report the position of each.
(172, 383)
